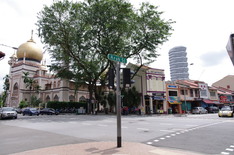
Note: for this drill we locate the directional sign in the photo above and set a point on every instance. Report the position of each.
(116, 58)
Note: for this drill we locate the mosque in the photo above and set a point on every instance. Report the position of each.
(29, 60)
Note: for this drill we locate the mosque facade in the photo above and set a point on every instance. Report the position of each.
(28, 60)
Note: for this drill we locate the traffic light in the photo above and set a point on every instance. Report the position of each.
(127, 74)
(111, 78)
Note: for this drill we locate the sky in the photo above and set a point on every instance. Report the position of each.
(202, 26)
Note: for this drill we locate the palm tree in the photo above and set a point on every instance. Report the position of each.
(30, 83)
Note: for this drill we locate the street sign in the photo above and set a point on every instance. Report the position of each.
(116, 58)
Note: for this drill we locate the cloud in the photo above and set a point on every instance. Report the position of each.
(213, 58)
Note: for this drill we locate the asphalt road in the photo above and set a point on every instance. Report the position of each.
(207, 134)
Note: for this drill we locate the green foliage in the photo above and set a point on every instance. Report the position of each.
(6, 86)
(131, 97)
(34, 101)
(111, 98)
(80, 35)
(61, 105)
(23, 104)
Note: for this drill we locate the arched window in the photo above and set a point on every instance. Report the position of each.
(82, 99)
(47, 98)
(56, 98)
(15, 88)
(71, 98)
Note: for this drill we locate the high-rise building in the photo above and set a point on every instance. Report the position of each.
(178, 63)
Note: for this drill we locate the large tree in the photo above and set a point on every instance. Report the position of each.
(80, 35)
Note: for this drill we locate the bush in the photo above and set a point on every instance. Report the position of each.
(63, 105)
(23, 104)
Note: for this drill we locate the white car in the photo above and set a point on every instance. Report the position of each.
(226, 111)
(8, 112)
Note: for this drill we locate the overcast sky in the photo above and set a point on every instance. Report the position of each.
(203, 26)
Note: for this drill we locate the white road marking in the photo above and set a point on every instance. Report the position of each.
(166, 131)
(224, 152)
(168, 136)
(228, 149)
(149, 143)
(143, 129)
(232, 146)
(173, 134)
(156, 140)
(177, 133)
(162, 138)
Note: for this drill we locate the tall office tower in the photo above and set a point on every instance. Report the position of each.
(178, 63)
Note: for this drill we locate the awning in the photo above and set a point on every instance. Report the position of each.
(208, 101)
(211, 102)
(174, 102)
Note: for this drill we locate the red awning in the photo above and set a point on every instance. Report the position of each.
(211, 102)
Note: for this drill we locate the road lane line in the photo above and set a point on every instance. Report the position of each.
(166, 130)
(143, 129)
(224, 152)
(228, 149)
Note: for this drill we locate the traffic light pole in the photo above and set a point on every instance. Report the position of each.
(118, 105)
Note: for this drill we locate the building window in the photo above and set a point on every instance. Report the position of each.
(56, 98)
(196, 93)
(71, 98)
(212, 93)
(82, 99)
(191, 93)
(228, 86)
(47, 98)
(182, 92)
(172, 93)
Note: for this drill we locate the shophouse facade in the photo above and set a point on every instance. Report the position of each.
(183, 95)
(150, 82)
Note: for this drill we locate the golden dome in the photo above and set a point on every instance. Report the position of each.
(30, 50)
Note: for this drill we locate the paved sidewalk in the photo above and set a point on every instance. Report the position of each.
(106, 148)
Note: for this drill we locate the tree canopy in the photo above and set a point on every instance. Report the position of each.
(80, 35)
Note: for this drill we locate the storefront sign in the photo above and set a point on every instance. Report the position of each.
(158, 98)
(171, 86)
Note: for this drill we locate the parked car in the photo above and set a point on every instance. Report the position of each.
(30, 111)
(212, 109)
(199, 110)
(49, 111)
(18, 110)
(8, 112)
(225, 111)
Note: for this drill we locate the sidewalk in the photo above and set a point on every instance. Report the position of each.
(106, 148)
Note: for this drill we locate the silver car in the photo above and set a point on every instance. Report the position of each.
(199, 110)
(8, 112)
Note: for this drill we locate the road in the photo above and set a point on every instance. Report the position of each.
(207, 134)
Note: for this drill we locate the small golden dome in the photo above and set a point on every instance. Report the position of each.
(30, 50)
